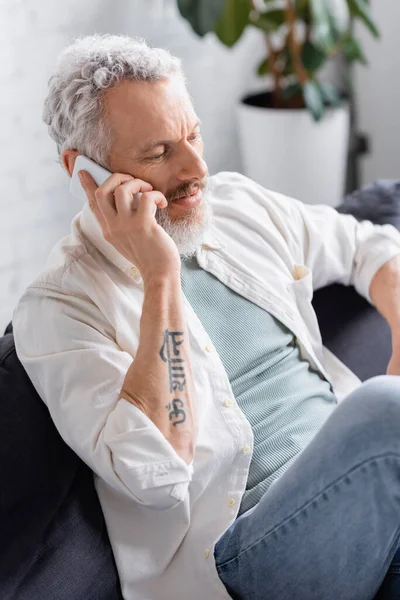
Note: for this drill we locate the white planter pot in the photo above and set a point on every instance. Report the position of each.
(288, 152)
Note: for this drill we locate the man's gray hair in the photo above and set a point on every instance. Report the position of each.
(73, 109)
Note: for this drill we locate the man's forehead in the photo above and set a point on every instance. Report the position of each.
(153, 99)
(146, 113)
(167, 135)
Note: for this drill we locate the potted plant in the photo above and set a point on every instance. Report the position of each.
(295, 135)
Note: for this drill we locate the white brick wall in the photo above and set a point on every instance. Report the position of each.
(378, 94)
(35, 206)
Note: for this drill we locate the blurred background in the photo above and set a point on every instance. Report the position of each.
(36, 207)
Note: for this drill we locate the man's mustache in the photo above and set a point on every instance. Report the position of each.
(186, 190)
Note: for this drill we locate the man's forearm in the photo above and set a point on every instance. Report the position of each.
(159, 381)
(385, 294)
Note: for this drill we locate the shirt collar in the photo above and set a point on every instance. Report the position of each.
(92, 230)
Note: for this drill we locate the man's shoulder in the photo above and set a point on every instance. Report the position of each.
(65, 256)
(58, 292)
(229, 178)
(229, 187)
(243, 193)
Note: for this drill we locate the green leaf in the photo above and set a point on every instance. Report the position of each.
(339, 15)
(263, 67)
(291, 91)
(301, 7)
(321, 19)
(270, 21)
(361, 9)
(233, 21)
(329, 22)
(312, 57)
(203, 15)
(353, 51)
(314, 100)
(330, 94)
(337, 33)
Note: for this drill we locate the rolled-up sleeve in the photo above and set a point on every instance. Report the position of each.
(338, 248)
(70, 354)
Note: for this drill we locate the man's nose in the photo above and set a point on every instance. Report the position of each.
(192, 165)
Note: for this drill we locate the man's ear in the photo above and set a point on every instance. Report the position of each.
(68, 158)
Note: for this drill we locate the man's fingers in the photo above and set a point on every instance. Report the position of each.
(88, 183)
(90, 186)
(115, 197)
(111, 183)
(112, 189)
(146, 203)
(123, 195)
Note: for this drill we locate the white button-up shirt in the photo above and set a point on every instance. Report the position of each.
(77, 331)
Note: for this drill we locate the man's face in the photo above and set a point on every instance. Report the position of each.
(157, 138)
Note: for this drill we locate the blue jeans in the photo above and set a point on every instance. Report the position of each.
(329, 527)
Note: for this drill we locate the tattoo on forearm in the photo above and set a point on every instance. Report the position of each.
(176, 412)
(169, 353)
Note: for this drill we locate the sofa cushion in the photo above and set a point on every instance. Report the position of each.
(378, 202)
(353, 330)
(53, 539)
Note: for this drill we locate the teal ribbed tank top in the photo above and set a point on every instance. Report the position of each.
(284, 399)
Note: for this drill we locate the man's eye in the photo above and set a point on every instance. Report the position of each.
(192, 138)
(158, 156)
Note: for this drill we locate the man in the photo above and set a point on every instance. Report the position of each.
(180, 356)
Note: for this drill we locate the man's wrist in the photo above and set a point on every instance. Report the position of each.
(157, 281)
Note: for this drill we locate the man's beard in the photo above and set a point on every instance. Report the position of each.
(188, 230)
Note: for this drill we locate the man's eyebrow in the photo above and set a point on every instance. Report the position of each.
(150, 145)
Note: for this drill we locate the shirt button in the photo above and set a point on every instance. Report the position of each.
(134, 271)
(231, 501)
(207, 552)
(228, 402)
(208, 348)
(246, 449)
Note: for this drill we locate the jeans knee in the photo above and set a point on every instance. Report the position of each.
(382, 389)
(377, 406)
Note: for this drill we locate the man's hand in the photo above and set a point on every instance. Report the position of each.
(385, 295)
(134, 233)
